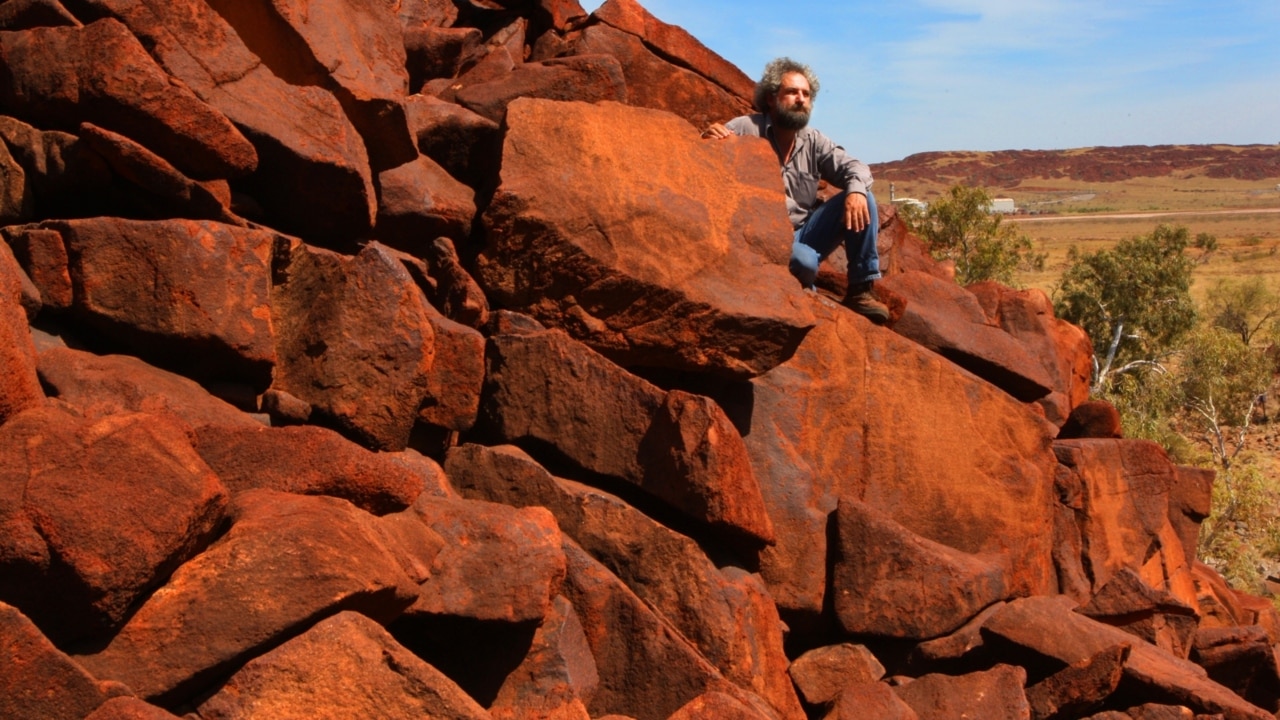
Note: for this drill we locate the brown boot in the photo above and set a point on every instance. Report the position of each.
(861, 300)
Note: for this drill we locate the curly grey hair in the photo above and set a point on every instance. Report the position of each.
(771, 81)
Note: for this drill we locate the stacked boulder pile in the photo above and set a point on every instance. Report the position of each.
(416, 359)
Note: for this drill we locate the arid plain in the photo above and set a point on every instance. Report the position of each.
(1091, 198)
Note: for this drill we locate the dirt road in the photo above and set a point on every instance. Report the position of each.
(1138, 216)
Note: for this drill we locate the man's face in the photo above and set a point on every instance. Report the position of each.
(792, 104)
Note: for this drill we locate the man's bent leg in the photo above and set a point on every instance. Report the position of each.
(860, 248)
(820, 236)
(824, 231)
(816, 239)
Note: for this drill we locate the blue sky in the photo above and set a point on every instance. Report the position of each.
(919, 75)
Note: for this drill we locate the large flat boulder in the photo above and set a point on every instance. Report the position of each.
(345, 666)
(108, 384)
(676, 44)
(861, 412)
(653, 79)
(1048, 628)
(253, 588)
(353, 48)
(585, 78)
(994, 694)
(890, 582)
(672, 258)
(1124, 519)
(947, 319)
(199, 303)
(497, 564)
(546, 389)
(1063, 349)
(307, 460)
(97, 513)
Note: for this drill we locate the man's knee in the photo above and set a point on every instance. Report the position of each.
(804, 264)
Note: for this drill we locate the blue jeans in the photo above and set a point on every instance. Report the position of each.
(824, 231)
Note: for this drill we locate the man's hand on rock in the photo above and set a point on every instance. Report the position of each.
(856, 214)
(716, 132)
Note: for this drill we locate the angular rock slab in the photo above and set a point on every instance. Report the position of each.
(546, 388)
(683, 49)
(870, 700)
(994, 694)
(19, 386)
(307, 147)
(669, 259)
(652, 80)
(37, 680)
(100, 73)
(822, 674)
(862, 412)
(725, 612)
(890, 582)
(647, 669)
(356, 341)
(200, 303)
(1125, 519)
(557, 676)
(307, 460)
(96, 513)
(287, 561)
(108, 384)
(1049, 628)
(346, 666)
(498, 563)
(585, 78)
(1063, 349)
(947, 319)
(354, 48)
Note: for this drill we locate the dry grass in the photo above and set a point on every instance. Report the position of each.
(1248, 244)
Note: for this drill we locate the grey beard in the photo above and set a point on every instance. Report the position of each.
(791, 119)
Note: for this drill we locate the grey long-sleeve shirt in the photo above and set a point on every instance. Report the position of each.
(815, 157)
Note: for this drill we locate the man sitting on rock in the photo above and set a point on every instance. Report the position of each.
(784, 97)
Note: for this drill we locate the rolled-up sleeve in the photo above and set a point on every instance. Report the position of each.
(839, 167)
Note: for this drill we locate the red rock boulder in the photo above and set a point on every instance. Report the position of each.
(680, 448)
(19, 387)
(345, 666)
(97, 513)
(199, 304)
(307, 148)
(100, 73)
(258, 583)
(667, 259)
(356, 341)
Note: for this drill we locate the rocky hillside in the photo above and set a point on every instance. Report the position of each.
(403, 360)
(1009, 168)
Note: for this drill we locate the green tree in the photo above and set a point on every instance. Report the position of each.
(961, 227)
(1243, 530)
(1133, 300)
(1222, 380)
(1244, 308)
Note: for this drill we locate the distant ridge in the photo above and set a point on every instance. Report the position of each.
(1009, 168)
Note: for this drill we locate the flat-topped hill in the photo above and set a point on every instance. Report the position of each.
(1126, 178)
